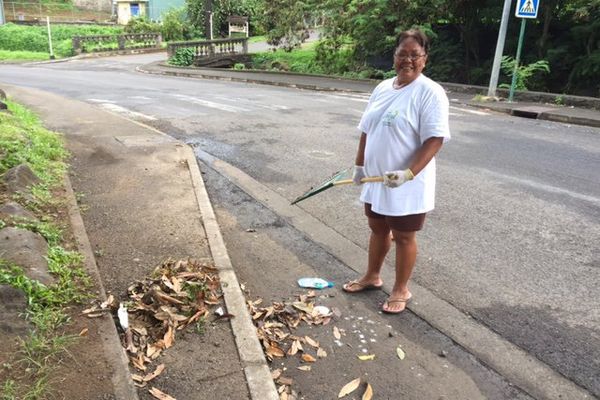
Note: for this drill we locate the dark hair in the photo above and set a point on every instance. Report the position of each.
(417, 35)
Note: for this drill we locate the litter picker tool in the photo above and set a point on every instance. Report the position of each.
(338, 179)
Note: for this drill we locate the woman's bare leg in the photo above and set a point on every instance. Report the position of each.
(406, 256)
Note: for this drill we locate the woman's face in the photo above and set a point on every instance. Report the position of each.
(409, 60)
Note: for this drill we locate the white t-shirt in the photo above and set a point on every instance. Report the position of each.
(397, 122)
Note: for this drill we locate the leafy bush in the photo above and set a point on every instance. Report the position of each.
(174, 25)
(35, 38)
(524, 72)
(183, 57)
(142, 25)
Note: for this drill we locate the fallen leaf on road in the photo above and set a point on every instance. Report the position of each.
(274, 351)
(308, 358)
(160, 395)
(154, 374)
(311, 342)
(294, 348)
(276, 374)
(336, 333)
(321, 353)
(84, 332)
(368, 357)
(349, 388)
(368, 394)
(304, 368)
(400, 353)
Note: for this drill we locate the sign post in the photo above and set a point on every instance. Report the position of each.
(499, 49)
(525, 9)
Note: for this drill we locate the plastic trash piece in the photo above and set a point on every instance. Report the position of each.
(123, 317)
(322, 310)
(315, 283)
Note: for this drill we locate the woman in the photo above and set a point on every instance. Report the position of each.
(403, 127)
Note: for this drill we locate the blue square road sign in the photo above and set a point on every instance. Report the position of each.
(527, 8)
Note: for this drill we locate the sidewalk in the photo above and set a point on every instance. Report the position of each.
(457, 93)
(144, 202)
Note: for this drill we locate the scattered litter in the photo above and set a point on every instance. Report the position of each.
(324, 311)
(367, 357)
(443, 353)
(123, 317)
(336, 333)
(250, 230)
(315, 283)
(400, 353)
(219, 312)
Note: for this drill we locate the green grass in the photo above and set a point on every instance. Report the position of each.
(301, 60)
(9, 55)
(257, 39)
(24, 140)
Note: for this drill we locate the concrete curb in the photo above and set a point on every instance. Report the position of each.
(246, 80)
(121, 379)
(258, 374)
(510, 361)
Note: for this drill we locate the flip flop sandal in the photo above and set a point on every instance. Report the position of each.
(392, 301)
(360, 287)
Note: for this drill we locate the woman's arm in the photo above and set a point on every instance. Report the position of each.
(360, 154)
(427, 151)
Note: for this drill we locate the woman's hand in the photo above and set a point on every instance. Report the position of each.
(393, 179)
(357, 174)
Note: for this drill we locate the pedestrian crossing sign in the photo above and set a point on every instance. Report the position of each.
(527, 8)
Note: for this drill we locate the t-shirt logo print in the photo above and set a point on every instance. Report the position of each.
(389, 117)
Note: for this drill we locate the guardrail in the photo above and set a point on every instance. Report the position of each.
(211, 48)
(101, 43)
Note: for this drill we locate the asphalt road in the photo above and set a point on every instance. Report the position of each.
(513, 240)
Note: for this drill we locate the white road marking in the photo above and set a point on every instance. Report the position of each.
(211, 104)
(476, 112)
(254, 103)
(101, 101)
(544, 187)
(124, 111)
(140, 97)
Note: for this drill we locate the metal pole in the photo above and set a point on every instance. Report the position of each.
(499, 49)
(49, 38)
(210, 18)
(2, 20)
(517, 60)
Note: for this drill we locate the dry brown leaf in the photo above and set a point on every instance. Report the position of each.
(283, 396)
(154, 374)
(321, 353)
(349, 388)
(336, 333)
(274, 351)
(281, 389)
(84, 332)
(294, 348)
(311, 342)
(304, 368)
(137, 378)
(169, 337)
(368, 394)
(160, 395)
(307, 308)
(138, 362)
(276, 374)
(308, 358)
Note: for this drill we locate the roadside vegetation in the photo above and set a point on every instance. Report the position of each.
(28, 371)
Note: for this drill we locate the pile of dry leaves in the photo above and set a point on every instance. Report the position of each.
(177, 295)
(275, 324)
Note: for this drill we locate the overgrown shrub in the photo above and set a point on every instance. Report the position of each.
(183, 57)
(142, 25)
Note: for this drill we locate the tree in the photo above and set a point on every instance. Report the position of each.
(288, 22)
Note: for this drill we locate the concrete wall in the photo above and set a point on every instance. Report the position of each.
(124, 11)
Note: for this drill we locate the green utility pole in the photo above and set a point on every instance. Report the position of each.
(517, 60)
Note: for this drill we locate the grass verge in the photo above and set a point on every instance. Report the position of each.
(8, 55)
(28, 373)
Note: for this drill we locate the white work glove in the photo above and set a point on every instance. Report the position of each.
(357, 174)
(393, 179)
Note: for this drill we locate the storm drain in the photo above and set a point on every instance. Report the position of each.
(532, 112)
